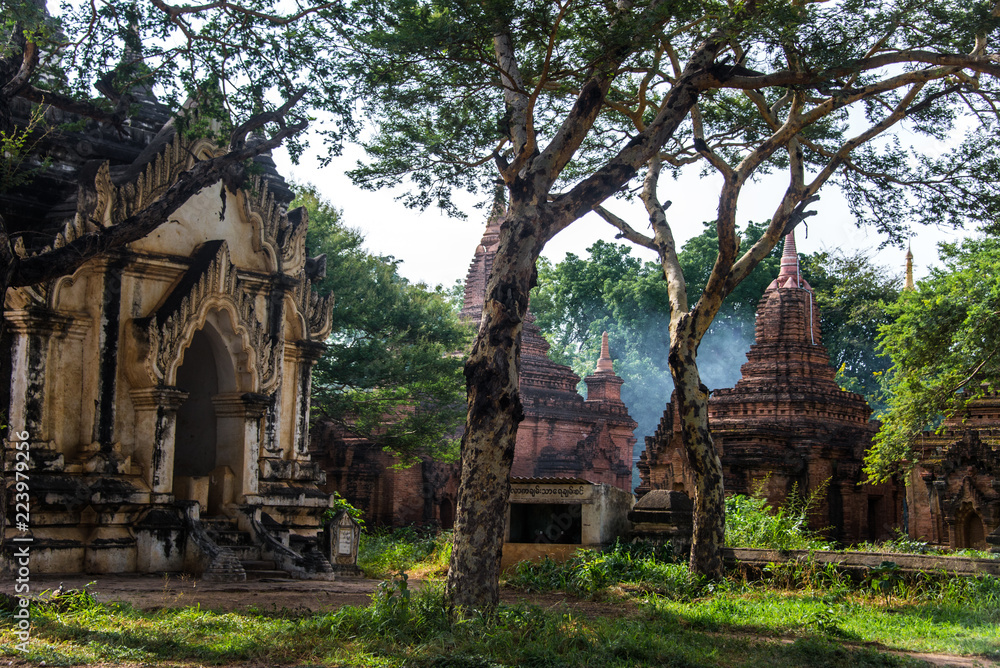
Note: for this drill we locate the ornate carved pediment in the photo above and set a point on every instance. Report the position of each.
(280, 234)
(101, 202)
(211, 284)
(315, 310)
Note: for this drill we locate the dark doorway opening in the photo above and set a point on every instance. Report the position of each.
(546, 523)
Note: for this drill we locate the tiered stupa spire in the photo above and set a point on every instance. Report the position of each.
(604, 361)
(788, 368)
(603, 384)
(908, 285)
(790, 275)
(561, 435)
(482, 261)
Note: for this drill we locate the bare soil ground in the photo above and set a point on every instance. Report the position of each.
(151, 592)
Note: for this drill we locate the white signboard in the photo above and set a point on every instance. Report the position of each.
(537, 493)
(345, 540)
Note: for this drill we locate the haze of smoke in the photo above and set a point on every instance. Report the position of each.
(722, 353)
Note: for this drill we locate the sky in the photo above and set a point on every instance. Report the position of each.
(436, 249)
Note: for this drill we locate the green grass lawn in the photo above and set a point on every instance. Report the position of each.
(799, 615)
(418, 634)
(631, 605)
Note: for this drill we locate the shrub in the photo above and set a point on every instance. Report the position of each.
(396, 613)
(752, 522)
(384, 552)
(651, 567)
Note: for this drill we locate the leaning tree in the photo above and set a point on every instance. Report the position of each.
(569, 101)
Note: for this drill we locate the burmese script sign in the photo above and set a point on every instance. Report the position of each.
(540, 493)
(345, 540)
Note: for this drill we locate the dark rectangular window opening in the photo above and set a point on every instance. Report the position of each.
(546, 523)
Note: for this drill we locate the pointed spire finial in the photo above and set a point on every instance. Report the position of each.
(604, 363)
(789, 257)
(908, 285)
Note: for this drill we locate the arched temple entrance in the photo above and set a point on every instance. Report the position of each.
(195, 442)
(971, 531)
(207, 450)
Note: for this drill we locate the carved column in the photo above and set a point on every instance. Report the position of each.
(155, 430)
(993, 539)
(32, 331)
(108, 325)
(239, 418)
(307, 354)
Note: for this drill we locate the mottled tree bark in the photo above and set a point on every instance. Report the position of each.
(709, 499)
(487, 450)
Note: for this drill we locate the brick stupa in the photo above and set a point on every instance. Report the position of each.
(562, 434)
(786, 424)
(954, 491)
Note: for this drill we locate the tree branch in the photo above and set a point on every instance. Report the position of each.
(28, 63)
(625, 231)
(66, 259)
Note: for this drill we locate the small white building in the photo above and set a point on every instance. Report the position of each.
(555, 517)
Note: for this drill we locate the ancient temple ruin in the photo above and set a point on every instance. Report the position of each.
(786, 424)
(163, 388)
(562, 434)
(954, 488)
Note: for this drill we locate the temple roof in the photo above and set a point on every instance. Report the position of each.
(788, 372)
(908, 285)
(66, 158)
(541, 378)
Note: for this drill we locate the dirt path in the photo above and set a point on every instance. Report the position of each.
(150, 592)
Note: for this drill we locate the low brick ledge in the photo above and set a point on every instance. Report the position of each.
(861, 561)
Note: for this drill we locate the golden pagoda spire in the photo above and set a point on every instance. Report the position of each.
(908, 285)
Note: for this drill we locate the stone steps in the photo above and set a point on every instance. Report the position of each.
(226, 533)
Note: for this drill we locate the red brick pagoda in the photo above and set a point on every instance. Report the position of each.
(562, 434)
(786, 424)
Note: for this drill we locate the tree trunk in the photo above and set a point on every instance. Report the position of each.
(709, 498)
(487, 450)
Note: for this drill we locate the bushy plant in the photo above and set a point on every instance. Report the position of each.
(396, 613)
(384, 552)
(340, 503)
(752, 522)
(901, 543)
(651, 567)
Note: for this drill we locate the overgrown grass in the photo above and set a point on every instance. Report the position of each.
(901, 543)
(752, 522)
(652, 569)
(411, 628)
(421, 552)
(792, 614)
(925, 612)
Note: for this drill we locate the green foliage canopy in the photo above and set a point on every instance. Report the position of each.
(944, 343)
(852, 292)
(390, 371)
(233, 59)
